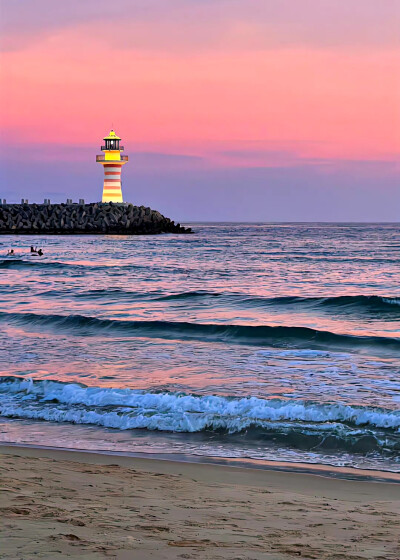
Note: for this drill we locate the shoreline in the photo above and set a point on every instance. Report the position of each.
(312, 469)
(58, 503)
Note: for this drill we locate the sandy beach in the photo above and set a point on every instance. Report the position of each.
(62, 504)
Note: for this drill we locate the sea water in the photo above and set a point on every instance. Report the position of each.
(255, 341)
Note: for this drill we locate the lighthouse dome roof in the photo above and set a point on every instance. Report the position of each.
(112, 136)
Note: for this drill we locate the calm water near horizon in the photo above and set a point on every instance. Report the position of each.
(263, 341)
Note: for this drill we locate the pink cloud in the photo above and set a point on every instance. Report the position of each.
(210, 25)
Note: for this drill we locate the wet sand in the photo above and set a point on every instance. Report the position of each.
(63, 504)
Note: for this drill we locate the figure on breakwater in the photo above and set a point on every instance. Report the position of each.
(112, 162)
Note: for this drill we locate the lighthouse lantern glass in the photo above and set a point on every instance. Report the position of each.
(112, 144)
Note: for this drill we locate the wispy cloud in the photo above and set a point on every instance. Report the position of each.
(204, 25)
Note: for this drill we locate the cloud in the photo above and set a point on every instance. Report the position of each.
(199, 25)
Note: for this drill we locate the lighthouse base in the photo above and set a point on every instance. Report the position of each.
(115, 198)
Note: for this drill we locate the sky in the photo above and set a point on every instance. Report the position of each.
(229, 110)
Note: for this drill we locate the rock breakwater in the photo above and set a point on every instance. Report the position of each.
(94, 218)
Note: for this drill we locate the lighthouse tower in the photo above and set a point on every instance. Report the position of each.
(112, 161)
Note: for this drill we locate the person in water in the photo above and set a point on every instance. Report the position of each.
(11, 252)
(40, 252)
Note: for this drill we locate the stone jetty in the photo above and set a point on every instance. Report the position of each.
(93, 218)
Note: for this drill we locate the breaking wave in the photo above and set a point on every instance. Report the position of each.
(294, 423)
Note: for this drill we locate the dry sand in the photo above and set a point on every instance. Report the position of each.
(60, 504)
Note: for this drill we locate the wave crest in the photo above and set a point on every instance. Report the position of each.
(262, 335)
(185, 412)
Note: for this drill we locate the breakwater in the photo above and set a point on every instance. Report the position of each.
(93, 218)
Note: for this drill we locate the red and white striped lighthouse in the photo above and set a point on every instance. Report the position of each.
(112, 161)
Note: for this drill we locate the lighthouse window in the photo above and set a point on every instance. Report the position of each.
(112, 145)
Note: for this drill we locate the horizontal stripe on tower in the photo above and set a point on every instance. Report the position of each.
(112, 167)
(113, 173)
(110, 189)
(109, 180)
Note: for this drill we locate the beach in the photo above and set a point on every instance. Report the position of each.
(222, 395)
(67, 504)
(199, 280)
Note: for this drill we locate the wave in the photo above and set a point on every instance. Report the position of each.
(20, 263)
(197, 294)
(99, 294)
(33, 262)
(347, 303)
(357, 303)
(294, 423)
(262, 335)
(374, 303)
(360, 302)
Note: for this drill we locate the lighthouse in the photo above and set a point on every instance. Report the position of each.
(112, 161)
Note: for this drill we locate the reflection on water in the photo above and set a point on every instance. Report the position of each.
(145, 313)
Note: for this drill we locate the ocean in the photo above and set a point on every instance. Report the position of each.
(261, 342)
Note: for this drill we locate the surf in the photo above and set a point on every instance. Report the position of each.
(295, 423)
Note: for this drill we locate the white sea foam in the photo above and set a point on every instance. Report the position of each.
(392, 301)
(128, 409)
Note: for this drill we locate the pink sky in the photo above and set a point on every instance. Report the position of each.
(228, 84)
